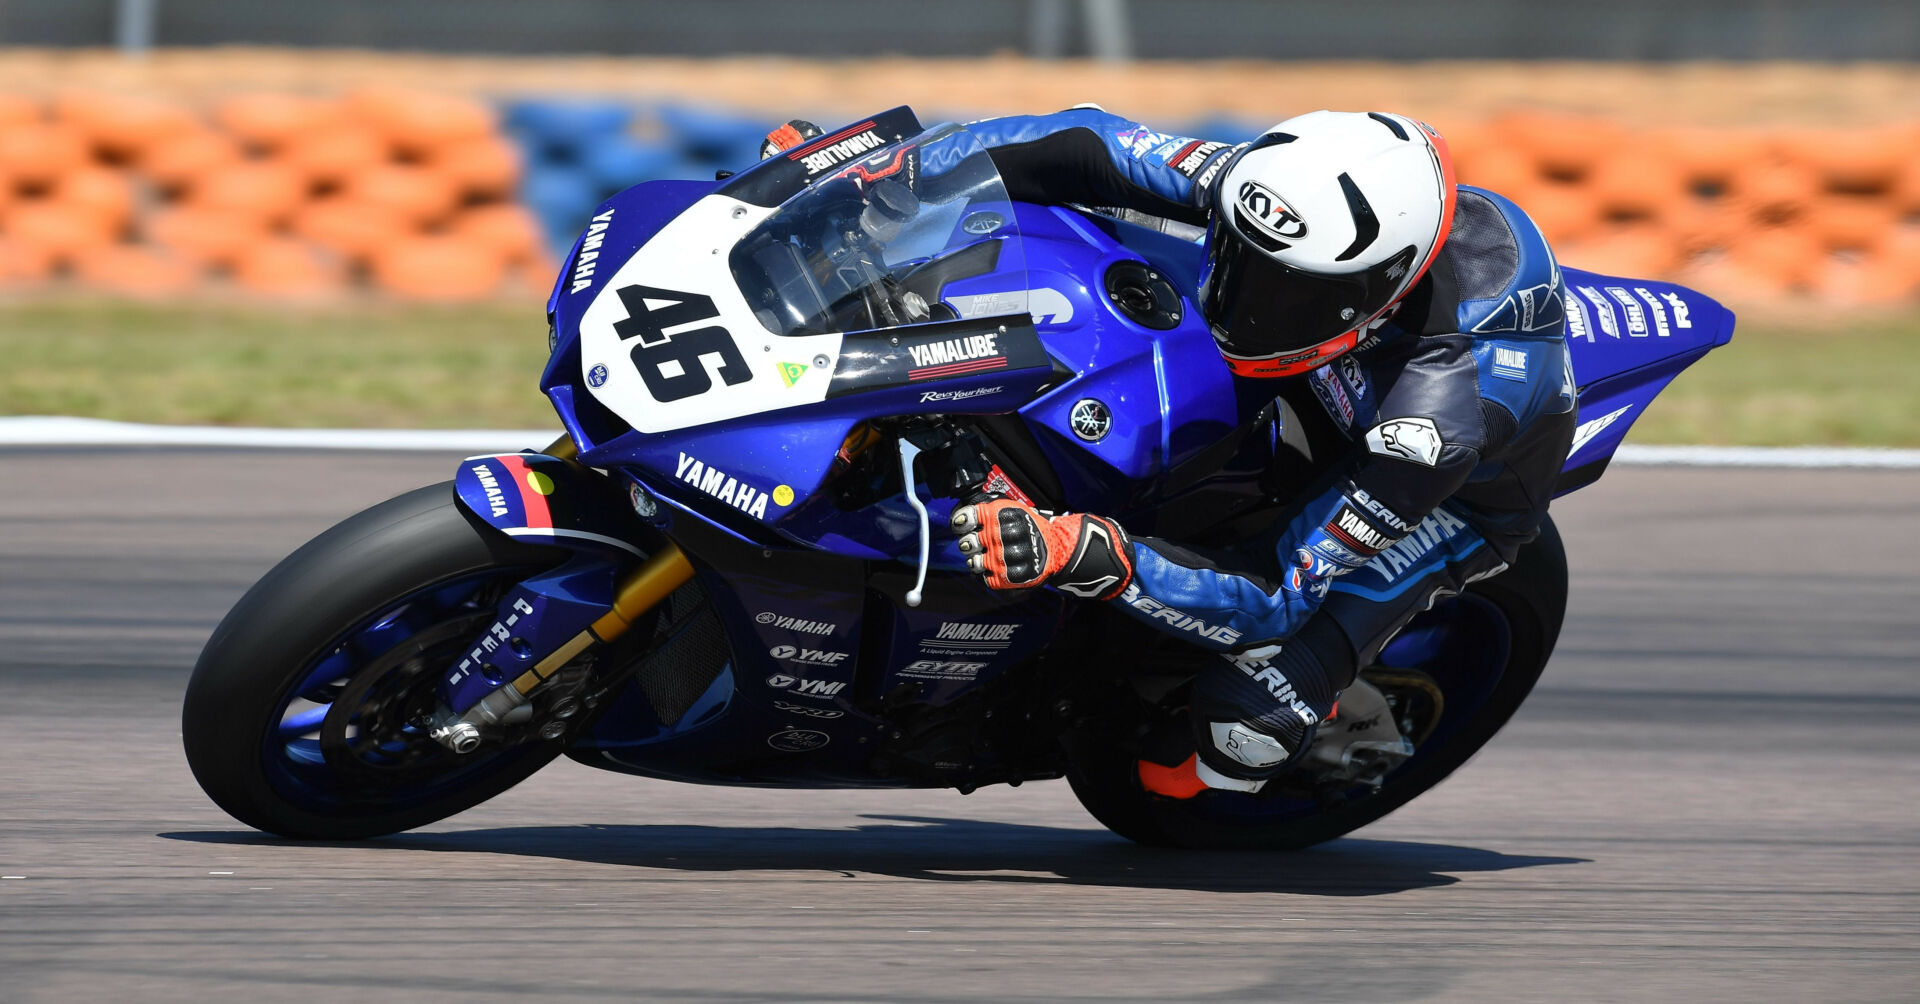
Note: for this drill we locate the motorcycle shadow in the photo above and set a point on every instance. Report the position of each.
(965, 850)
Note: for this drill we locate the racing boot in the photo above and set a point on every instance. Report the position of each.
(1253, 714)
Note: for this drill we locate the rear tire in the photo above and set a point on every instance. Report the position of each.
(1531, 599)
(304, 611)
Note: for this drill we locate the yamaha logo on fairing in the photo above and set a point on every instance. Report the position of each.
(496, 499)
(1090, 420)
(1268, 215)
(772, 619)
(588, 259)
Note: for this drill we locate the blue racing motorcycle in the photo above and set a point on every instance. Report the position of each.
(735, 567)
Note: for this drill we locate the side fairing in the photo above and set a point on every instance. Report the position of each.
(1629, 338)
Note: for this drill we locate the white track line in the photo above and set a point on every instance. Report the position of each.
(58, 431)
(1766, 456)
(52, 431)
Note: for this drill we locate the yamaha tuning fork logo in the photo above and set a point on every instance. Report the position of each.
(1090, 420)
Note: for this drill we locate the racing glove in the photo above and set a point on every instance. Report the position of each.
(1015, 546)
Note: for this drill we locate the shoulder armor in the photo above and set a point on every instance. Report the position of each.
(1510, 282)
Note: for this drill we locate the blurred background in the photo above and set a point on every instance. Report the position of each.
(349, 213)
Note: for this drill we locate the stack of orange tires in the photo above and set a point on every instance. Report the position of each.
(275, 195)
(1827, 214)
(418, 195)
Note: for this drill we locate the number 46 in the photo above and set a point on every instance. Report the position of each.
(684, 349)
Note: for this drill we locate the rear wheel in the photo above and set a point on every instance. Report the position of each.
(1483, 649)
(307, 712)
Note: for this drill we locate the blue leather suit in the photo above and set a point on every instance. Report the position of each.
(1455, 418)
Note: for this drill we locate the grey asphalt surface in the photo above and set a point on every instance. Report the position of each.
(1713, 795)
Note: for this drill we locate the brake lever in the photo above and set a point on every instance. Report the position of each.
(909, 453)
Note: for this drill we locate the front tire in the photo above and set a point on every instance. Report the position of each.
(386, 593)
(1523, 607)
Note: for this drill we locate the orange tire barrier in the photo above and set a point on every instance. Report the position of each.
(412, 194)
(285, 268)
(210, 237)
(439, 269)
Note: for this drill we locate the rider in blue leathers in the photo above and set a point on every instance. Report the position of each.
(1425, 317)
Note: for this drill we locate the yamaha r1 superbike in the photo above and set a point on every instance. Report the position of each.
(736, 567)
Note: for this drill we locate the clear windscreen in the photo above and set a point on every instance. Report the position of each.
(875, 244)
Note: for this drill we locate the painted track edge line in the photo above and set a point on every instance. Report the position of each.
(32, 430)
(65, 431)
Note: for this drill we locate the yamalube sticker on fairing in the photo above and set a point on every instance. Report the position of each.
(678, 344)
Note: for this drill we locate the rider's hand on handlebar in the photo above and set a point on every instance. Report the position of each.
(1015, 546)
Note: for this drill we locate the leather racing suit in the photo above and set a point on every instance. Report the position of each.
(1456, 415)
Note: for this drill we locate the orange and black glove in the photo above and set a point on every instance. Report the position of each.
(1015, 546)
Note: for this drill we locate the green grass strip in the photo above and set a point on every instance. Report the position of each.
(370, 366)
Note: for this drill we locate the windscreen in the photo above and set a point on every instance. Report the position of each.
(876, 244)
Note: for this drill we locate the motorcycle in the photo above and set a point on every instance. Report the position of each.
(735, 566)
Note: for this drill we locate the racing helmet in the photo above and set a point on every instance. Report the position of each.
(1318, 229)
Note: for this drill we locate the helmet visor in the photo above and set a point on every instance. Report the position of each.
(1260, 308)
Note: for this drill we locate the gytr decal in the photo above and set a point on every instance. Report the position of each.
(805, 688)
(723, 486)
(772, 619)
(1154, 609)
(1415, 439)
(956, 356)
(838, 148)
(934, 669)
(1441, 525)
(589, 256)
(807, 656)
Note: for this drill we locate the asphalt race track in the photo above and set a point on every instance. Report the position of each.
(1714, 795)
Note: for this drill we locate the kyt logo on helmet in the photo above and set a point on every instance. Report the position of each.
(1261, 211)
(1283, 298)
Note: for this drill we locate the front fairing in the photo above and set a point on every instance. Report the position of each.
(751, 325)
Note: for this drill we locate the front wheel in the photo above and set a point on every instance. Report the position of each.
(305, 714)
(1483, 650)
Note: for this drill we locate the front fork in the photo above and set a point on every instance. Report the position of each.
(531, 630)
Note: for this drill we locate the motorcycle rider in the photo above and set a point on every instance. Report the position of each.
(1427, 320)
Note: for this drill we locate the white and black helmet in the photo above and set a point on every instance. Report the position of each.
(1319, 227)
